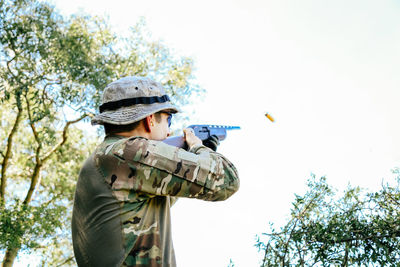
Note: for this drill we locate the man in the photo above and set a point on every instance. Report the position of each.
(125, 189)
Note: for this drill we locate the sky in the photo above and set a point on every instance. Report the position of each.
(327, 71)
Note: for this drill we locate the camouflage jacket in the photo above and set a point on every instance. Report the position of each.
(121, 214)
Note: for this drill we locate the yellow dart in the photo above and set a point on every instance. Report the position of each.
(269, 117)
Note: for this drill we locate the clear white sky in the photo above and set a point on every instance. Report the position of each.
(328, 71)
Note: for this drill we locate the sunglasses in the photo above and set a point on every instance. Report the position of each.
(169, 117)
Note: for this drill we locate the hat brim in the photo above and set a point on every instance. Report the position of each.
(128, 115)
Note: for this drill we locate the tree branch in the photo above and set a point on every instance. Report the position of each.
(34, 178)
(66, 261)
(39, 163)
(390, 196)
(36, 171)
(11, 60)
(45, 95)
(31, 123)
(64, 136)
(16, 54)
(297, 219)
(346, 255)
(299, 252)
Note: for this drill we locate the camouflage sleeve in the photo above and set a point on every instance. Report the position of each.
(156, 168)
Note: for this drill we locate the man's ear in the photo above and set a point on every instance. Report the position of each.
(147, 123)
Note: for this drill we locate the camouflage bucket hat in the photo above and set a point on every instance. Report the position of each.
(131, 99)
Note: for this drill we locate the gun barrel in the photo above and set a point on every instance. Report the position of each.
(210, 126)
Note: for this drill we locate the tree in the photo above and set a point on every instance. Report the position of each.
(52, 72)
(356, 229)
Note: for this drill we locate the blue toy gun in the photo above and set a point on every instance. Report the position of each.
(203, 132)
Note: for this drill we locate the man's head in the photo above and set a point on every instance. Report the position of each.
(133, 102)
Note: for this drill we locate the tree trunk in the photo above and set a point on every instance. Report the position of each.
(7, 156)
(346, 255)
(10, 256)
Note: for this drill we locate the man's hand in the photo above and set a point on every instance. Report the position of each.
(190, 138)
(212, 142)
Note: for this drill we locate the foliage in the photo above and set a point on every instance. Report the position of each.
(52, 72)
(356, 229)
